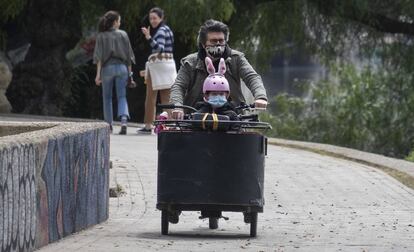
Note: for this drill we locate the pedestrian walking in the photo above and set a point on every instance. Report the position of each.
(160, 71)
(113, 57)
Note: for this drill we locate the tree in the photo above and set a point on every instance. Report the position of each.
(9, 10)
(368, 102)
(326, 28)
(380, 30)
(41, 84)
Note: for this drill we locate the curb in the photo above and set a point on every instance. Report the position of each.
(28, 117)
(399, 169)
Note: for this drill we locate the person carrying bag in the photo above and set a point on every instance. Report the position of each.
(160, 69)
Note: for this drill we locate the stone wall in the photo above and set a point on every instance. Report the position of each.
(53, 182)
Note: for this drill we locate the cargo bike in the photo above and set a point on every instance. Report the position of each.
(210, 164)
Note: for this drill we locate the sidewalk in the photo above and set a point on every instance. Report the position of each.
(313, 203)
(400, 169)
(317, 199)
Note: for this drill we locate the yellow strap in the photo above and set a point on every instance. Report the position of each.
(215, 121)
(203, 124)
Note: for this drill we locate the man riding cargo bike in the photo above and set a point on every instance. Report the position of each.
(211, 159)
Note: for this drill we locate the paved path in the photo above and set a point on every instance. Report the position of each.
(313, 203)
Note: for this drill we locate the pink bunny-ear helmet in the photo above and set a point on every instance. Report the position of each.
(209, 65)
(222, 67)
(216, 81)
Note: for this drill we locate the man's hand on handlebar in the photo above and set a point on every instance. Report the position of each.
(177, 114)
(260, 104)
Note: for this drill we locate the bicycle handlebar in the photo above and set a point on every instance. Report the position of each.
(173, 106)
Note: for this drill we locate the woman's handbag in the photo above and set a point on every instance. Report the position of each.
(131, 83)
(160, 68)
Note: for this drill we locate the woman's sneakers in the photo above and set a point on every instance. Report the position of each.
(123, 130)
(144, 131)
(124, 120)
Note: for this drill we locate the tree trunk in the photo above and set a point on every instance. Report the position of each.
(40, 83)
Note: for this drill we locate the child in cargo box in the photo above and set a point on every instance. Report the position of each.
(216, 91)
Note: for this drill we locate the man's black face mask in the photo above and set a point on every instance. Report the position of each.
(215, 51)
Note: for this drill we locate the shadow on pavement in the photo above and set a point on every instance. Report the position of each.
(192, 235)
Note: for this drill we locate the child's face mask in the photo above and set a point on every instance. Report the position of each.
(217, 101)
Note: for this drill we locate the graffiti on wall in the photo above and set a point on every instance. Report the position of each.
(50, 190)
(75, 173)
(17, 198)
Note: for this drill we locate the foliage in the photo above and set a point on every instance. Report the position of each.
(184, 19)
(86, 98)
(285, 117)
(410, 157)
(365, 109)
(184, 16)
(332, 29)
(365, 106)
(9, 10)
(264, 28)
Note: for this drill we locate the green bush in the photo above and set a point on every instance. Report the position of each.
(368, 109)
(410, 156)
